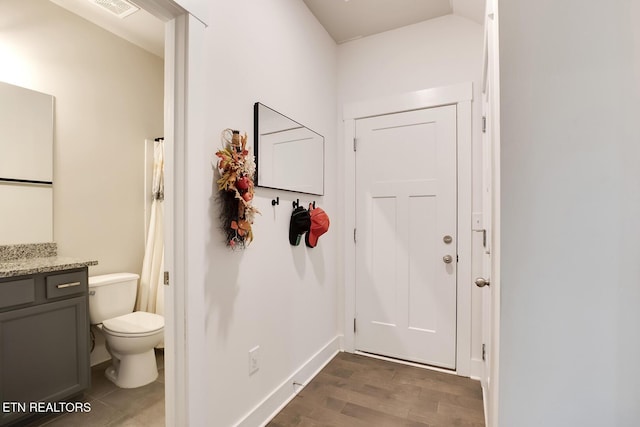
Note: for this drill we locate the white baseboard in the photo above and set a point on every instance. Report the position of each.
(283, 394)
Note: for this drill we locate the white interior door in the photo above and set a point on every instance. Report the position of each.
(405, 207)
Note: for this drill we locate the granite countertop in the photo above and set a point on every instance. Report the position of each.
(24, 266)
(21, 260)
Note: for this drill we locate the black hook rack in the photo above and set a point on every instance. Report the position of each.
(296, 203)
(275, 201)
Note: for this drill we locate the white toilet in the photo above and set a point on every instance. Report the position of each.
(130, 336)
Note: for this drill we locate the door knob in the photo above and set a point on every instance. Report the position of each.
(481, 282)
(448, 259)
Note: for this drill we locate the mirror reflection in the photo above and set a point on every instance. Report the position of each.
(26, 165)
(289, 156)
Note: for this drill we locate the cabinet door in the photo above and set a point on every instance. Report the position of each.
(44, 354)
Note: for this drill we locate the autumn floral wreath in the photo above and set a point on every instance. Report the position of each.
(236, 166)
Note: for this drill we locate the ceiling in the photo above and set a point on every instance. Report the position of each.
(347, 20)
(344, 20)
(140, 28)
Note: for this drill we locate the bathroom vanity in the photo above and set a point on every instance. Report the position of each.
(44, 329)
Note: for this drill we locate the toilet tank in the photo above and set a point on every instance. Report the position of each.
(111, 295)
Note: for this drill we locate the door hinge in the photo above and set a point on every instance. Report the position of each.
(484, 352)
(355, 236)
(355, 142)
(484, 124)
(355, 329)
(457, 258)
(166, 278)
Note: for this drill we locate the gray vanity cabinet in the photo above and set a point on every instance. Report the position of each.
(44, 338)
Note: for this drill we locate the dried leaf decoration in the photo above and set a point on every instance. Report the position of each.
(236, 167)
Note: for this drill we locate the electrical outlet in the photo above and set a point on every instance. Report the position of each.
(254, 359)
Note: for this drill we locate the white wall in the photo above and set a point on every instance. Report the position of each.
(108, 99)
(434, 53)
(570, 102)
(437, 52)
(279, 297)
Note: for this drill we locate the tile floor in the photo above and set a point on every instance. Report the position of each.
(112, 406)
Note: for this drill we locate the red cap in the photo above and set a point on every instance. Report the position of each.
(319, 226)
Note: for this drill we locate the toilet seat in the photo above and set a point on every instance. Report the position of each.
(138, 323)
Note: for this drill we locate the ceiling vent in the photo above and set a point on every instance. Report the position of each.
(119, 8)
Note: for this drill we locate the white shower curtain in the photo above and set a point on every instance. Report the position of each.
(151, 291)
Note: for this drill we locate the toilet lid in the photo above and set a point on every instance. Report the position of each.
(138, 322)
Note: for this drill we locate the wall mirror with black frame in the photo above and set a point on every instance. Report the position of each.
(289, 156)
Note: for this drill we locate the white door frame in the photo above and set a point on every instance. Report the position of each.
(183, 124)
(491, 82)
(461, 96)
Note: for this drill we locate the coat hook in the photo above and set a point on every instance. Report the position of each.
(275, 201)
(296, 203)
(314, 204)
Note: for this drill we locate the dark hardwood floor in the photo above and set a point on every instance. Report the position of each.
(360, 391)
